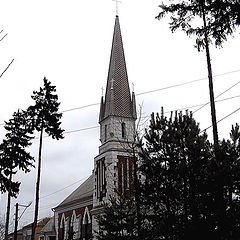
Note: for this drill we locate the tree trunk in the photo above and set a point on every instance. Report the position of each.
(8, 206)
(211, 92)
(16, 222)
(34, 224)
(221, 212)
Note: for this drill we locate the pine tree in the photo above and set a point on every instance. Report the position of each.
(175, 158)
(118, 220)
(227, 175)
(13, 156)
(44, 117)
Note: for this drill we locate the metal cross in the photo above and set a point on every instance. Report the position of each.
(112, 81)
(117, 2)
(102, 90)
(133, 86)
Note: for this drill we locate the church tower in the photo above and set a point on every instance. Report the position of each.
(113, 166)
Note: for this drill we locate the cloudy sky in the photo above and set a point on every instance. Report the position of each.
(69, 42)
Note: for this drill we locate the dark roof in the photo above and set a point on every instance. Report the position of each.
(118, 100)
(83, 192)
(40, 223)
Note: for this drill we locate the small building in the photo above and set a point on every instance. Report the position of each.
(48, 231)
(27, 230)
(19, 235)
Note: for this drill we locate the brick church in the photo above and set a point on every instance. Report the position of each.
(113, 166)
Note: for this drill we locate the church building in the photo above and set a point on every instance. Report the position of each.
(113, 166)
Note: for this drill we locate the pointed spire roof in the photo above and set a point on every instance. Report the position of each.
(118, 100)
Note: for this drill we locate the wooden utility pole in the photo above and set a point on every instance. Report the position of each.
(16, 222)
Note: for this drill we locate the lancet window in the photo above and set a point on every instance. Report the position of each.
(125, 174)
(101, 179)
(123, 125)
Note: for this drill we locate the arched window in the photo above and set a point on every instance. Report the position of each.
(86, 223)
(100, 179)
(62, 227)
(74, 225)
(123, 130)
(105, 133)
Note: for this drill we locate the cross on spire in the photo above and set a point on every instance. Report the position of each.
(117, 2)
(133, 86)
(112, 81)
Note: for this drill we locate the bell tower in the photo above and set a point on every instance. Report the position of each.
(113, 166)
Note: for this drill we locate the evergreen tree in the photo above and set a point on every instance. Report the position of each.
(44, 117)
(13, 156)
(208, 20)
(118, 220)
(183, 179)
(227, 175)
(175, 158)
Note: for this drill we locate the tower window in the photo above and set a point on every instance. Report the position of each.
(123, 130)
(105, 133)
(101, 181)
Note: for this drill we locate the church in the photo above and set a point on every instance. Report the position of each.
(114, 165)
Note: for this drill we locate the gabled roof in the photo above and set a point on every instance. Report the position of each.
(117, 100)
(49, 227)
(82, 193)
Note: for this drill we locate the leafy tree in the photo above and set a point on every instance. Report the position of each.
(13, 156)
(219, 19)
(44, 117)
(118, 220)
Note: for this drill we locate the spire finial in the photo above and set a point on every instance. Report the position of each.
(117, 2)
(133, 86)
(102, 90)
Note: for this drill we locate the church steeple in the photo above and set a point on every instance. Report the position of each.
(118, 101)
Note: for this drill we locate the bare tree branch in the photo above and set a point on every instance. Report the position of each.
(6, 67)
(3, 37)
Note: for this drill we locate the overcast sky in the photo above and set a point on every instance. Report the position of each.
(69, 42)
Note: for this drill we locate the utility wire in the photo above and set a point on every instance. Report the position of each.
(93, 127)
(159, 89)
(218, 96)
(150, 91)
(222, 118)
(200, 105)
(6, 68)
(64, 188)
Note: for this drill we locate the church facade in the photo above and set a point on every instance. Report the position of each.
(114, 165)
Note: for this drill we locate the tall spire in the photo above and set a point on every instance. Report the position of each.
(117, 100)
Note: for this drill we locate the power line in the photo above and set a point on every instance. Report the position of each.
(218, 96)
(199, 105)
(151, 91)
(93, 127)
(63, 188)
(159, 89)
(222, 118)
